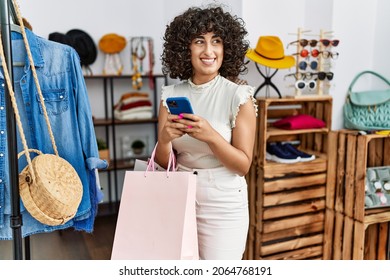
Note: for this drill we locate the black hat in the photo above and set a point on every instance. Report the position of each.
(84, 45)
(61, 38)
(80, 41)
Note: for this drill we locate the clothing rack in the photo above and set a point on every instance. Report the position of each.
(16, 218)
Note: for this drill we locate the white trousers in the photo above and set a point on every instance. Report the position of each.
(222, 213)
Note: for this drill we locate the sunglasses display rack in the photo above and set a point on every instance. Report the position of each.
(313, 68)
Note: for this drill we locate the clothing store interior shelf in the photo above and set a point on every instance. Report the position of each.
(111, 86)
(105, 122)
(109, 119)
(352, 231)
(273, 131)
(287, 201)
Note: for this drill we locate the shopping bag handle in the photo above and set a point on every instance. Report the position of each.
(171, 162)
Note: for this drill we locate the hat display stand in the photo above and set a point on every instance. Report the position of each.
(16, 217)
(269, 53)
(321, 66)
(112, 44)
(267, 81)
(139, 52)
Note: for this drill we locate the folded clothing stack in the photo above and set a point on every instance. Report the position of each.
(286, 153)
(134, 105)
(300, 121)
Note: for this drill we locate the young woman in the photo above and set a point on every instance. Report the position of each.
(202, 48)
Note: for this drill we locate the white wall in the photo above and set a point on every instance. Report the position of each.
(277, 18)
(361, 25)
(128, 18)
(381, 42)
(97, 18)
(354, 22)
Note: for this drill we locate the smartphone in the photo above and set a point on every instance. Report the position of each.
(178, 105)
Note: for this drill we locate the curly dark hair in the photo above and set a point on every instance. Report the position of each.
(176, 56)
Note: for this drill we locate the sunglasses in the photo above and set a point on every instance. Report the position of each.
(301, 85)
(304, 43)
(303, 65)
(328, 43)
(313, 43)
(324, 75)
(306, 53)
(301, 75)
(327, 54)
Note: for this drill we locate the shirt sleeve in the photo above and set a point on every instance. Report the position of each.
(242, 95)
(84, 113)
(166, 91)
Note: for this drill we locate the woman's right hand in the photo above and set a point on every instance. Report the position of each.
(170, 129)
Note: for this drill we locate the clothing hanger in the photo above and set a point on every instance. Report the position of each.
(16, 28)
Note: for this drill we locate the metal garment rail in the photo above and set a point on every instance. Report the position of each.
(16, 217)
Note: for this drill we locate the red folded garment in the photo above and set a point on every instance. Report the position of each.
(135, 104)
(299, 122)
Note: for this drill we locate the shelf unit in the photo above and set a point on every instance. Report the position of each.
(110, 124)
(353, 232)
(287, 201)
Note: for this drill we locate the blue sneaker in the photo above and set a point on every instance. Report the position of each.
(302, 155)
(276, 153)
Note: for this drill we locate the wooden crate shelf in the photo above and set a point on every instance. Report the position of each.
(288, 201)
(272, 131)
(275, 169)
(353, 232)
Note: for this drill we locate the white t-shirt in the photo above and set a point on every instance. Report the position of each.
(218, 101)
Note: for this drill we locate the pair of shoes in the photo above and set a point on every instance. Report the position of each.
(275, 152)
(302, 155)
(286, 153)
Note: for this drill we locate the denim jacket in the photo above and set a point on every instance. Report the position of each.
(63, 87)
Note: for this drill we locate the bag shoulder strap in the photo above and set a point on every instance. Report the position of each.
(367, 72)
(35, 76)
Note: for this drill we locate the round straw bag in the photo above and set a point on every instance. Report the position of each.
(49, 186)
(55, 194)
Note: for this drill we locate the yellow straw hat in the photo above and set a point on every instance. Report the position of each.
(112, 43)
(270, 52)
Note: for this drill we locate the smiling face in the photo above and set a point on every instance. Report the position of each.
(206, 57)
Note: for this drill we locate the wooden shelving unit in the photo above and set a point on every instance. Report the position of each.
(353, 232)
(287, 201)
(110, 124)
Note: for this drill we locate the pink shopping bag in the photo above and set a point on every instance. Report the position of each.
(156, 218)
